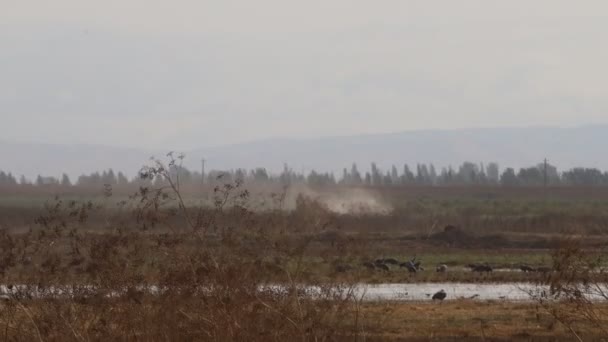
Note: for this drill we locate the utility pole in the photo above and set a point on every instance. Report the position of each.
(202, 171)
(545, 173)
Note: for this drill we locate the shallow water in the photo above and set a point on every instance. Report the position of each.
(424, 291)
(512, 292)
(368, 292)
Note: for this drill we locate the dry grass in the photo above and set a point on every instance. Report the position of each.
(154, 319)
(163, 271)
(469, 320)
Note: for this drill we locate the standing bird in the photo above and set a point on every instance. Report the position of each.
(343, 268)
(482, 268)
(543, 269)
(440, 295)
(525, 268)
(383, 267)
(391, 261)
(369, 265)
(412, 266)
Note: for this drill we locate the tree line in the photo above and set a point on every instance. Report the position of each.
(467, 173)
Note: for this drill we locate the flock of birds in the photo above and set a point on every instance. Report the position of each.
(412, 266)
(415, 266)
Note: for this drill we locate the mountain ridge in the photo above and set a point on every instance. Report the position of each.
(564, 147)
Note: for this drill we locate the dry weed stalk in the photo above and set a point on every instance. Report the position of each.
(576, 289)
(167, 270)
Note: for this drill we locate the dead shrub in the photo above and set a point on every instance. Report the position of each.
(173, 272)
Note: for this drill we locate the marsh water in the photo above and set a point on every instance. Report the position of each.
(512, 292)
(424, 291)
(367, 292)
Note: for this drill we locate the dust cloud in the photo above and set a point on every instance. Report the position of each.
(340, 201)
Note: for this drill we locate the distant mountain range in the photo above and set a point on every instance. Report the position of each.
(516, 147)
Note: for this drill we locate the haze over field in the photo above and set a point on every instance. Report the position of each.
(186, 74)
(335, 151)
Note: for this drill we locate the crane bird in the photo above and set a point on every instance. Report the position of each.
(440, 295)
(369, 265)
(482, 268)
(391, 261)
(412, 266)
(383, 267)
(526, 268)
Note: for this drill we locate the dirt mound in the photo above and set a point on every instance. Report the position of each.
(453, 236)
(495, 241)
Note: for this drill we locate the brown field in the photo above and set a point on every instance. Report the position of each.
(470, 321)
(391, 321)
(210, 262)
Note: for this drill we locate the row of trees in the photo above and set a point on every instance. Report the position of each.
(466, 174)
(96, 178)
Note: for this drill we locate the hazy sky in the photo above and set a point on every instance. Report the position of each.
(182, 74)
